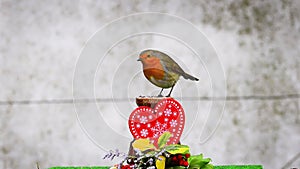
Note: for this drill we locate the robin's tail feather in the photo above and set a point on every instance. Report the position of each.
(187, 76)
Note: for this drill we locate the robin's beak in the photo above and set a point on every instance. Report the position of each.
(139, 59)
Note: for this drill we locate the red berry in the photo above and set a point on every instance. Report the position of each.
(174, 158)
(125, 167)
(180, 156)
(185, 163)
(187, 155)
(180, 162)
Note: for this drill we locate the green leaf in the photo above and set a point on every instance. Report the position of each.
(163, 139)
(176, 167)
(143, 145)
(208, 166)
(198, 162)
(178, 149)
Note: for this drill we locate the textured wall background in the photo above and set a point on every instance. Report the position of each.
(257, 42)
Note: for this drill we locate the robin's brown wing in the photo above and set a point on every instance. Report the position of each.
(172, 66)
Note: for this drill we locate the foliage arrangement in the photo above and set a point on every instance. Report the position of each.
(162, 156)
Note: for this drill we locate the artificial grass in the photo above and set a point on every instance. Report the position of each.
(215, 167)
(239, 167)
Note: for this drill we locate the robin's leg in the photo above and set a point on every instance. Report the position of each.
(160, 95)
(170, 91)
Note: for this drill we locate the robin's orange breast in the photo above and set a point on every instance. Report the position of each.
(153, 69)
(158, 74)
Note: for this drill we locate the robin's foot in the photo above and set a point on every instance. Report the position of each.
(160, 93)
(170, 91)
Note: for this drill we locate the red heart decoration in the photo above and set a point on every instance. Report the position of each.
(168, 115)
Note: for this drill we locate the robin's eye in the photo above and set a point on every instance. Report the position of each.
(148, 56)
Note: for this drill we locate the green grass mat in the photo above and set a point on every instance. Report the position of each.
(215, 167)
(239, 167)
(79, 167)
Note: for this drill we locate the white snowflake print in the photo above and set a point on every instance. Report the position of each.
(155, 135)
(173, 123)
(168, 112)
(143, 119)
(158, 129)
(144, 133)
(157, 124)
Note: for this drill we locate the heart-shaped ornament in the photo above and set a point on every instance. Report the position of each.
(167, 115)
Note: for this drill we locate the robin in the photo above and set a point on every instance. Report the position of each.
(161, 70)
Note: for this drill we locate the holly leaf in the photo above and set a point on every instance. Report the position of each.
(163, 139)
(143, 145)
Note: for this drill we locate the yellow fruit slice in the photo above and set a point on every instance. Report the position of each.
(160, 163)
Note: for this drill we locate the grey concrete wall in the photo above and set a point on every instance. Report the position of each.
(257, 43)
